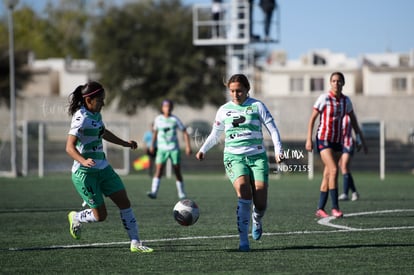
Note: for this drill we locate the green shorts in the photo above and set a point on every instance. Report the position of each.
(93, 185)
(164, 155)
(256, 166)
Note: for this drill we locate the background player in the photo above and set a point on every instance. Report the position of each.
(166, 140)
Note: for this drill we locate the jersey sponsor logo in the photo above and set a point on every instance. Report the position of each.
(237, 120)
(237, 135)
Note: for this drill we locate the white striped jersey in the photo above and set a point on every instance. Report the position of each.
(331, 111)
(242, 125)
(166, 128)
(347, 140)
(88, 127)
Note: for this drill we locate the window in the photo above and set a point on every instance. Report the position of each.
(296, 84)
(316, 84)
(399, 84)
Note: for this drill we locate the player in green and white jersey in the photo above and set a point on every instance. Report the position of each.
(165, 137)
(92, 175)
(245, 158)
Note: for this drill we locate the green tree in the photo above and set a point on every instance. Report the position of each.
(22, 75)
(144, 54)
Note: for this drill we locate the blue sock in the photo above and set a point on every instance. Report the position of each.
(334, 198)
(323, 198)
(351, 183)
(346, 183)
(243, 220)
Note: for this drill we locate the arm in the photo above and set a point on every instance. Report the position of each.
(188, 150)
(153, 141)
(74, 153)
(274, 133)
(309, 144)
(360, 140)
(110, 137)
(211, 140)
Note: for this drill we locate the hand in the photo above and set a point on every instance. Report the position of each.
(279, 158)
(309, 145)
(188, 151)
(132, 144)
(200, 155)
(88, 163)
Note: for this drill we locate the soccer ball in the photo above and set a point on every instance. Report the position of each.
(186, 212)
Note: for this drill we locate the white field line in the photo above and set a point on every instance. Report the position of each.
(324, 221)
(327, 221)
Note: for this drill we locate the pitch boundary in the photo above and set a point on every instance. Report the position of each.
(324, 221)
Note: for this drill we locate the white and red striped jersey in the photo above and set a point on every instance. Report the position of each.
(347, 140)
(331, 111)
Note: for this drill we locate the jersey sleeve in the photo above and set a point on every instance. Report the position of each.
(349, 107)
(320, 103)
(76, 124)
(180, 124)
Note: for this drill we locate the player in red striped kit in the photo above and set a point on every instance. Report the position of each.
(331, 107)
(345, 160)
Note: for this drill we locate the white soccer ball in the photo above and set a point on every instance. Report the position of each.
(186, 212)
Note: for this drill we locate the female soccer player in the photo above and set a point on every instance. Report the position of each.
(345, 160)
(92, 175)
(166, 140)
(331, 107)
(245, 158)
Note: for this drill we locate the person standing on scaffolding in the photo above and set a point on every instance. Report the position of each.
(268, 6)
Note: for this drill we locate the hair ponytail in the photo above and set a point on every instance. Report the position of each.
(76, 100)
(77, 97)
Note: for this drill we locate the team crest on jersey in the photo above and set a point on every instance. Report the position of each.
(249, 110)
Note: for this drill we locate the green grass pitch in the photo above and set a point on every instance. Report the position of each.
(375, 236)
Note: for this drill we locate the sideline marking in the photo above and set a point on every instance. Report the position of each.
(327, 221)
(324, 221)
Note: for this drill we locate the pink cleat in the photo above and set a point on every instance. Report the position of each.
(337, 213)
(321, 213)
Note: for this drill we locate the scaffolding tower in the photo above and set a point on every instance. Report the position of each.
(232, 28)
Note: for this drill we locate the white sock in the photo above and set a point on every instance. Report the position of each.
(155, 185)
(180, 188)
(257, 215)
(85, 216)
(243, 220)
(130, 223)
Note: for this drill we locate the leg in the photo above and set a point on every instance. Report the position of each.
(344, 165)
(156, 180)
(129, 221)
(331, 159)
(259, 207)
(179, 181)
(243, 190)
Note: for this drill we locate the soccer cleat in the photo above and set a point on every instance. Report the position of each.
(256, 230)
(151, 195)
(74, 226)
(343, 197)
(182, 196)
(138, 247)
(321, 213)
(355, 196)
(337, 213)
(244, 248)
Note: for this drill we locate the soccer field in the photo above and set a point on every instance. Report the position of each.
(375, 236)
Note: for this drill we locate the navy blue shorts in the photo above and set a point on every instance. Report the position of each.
(324, 144)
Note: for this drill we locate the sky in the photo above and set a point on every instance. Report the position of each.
(352, 27)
